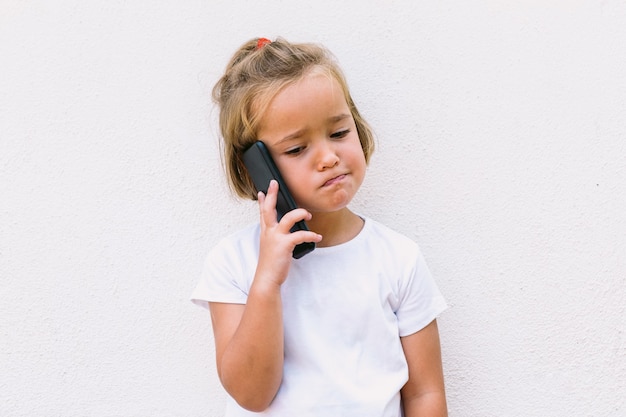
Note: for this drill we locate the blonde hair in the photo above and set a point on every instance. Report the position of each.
(253, 77)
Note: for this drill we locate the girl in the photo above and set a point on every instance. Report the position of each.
(349, 329)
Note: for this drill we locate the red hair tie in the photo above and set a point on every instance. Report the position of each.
(262, 42)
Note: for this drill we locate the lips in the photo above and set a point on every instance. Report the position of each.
(334, 180)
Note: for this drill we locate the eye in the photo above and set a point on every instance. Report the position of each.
(340, 134)
(294, 151)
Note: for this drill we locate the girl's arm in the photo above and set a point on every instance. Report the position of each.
(424, 393)
(249, 347)
(249, 338)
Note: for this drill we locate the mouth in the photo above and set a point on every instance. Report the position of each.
(334, 180)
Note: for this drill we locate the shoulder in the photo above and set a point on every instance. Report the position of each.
(386, 232)
(396, 252)
(234, 256)
(243, 242)
(229, 268)
(391, 241)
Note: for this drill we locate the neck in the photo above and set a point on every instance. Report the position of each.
(337, 227)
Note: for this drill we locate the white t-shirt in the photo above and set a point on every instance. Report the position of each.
(345, 308)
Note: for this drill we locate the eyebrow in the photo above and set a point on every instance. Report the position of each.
(299, 132)
(291, 136)
(339, 117)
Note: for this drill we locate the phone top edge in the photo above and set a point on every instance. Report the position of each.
(264, 152)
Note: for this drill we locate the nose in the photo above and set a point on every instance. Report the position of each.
(327, 156)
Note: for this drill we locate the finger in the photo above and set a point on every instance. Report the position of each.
(267, 203)
(303, 236)
(261, 201)
(272, 194)
(294, 216)
(300, 236)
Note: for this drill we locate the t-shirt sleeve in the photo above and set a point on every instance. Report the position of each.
(420, 301)
(223, 278)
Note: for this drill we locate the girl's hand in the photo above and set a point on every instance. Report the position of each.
(277, 242)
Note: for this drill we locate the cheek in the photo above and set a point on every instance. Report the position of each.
(357, 158)
(360, 168)
(294, 178)
(288, 169)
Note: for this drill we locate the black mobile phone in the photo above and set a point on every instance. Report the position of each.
(262, 170)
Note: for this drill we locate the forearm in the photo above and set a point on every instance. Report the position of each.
(251, 366)
(424, 394)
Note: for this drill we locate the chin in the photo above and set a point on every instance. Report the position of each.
(332, 208)
(329, 204)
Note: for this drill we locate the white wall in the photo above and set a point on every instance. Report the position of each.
(502, 136)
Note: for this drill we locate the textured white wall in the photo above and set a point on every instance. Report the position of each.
(502, 136)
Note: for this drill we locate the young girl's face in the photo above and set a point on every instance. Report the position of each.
(310, 132)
